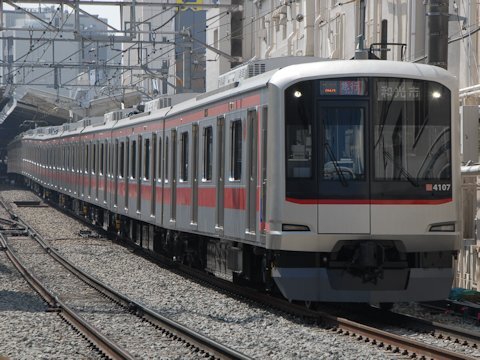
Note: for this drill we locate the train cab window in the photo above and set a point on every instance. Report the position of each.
(411, 131)
(207, 153)
(146, 163)
(298, 131)
(133, 159)
(236, 151)
(343, 142)
(184, 157)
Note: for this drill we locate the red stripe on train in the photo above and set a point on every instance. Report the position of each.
(368, 202)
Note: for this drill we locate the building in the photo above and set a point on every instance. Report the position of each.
(169, 50)
(263, 29)
(46, 49)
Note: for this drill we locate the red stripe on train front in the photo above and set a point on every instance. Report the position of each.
(368, 202)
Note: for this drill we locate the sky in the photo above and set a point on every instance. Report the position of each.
(112, 13)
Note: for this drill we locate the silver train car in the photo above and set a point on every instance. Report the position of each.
(332, 181)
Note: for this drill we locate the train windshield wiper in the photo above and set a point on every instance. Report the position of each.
(403, 171)
(337, 168)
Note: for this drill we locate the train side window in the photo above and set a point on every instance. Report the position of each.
(160, 160)
(115, 168)
(236, 150)
(146, 161)
(102, 157)
(86, 158)
(72, 153)
(184, 157)
(140, 171)
(207, 153)
(166, 160)
(122, 159)
(66, 151)
(94, 159)
(133, 159)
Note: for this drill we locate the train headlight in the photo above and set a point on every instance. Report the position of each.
(297, 94)
(436, 95)
(446, 227)
(293, 227)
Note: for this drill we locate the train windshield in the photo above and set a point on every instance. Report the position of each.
(367, 138)
(411, 131)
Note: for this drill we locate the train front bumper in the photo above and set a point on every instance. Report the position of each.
(395, 285)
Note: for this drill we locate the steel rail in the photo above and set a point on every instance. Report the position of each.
(196, 339)
(108, 347)
(400, 342)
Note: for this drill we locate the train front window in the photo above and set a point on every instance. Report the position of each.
(411, 131)
(368, 138)
(343, 143)
(299, 123)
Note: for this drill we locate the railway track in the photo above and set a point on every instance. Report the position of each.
(104, 306)
(358, 329)
(362, 328)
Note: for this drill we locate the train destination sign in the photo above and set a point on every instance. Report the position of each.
(397, 91)
(355, 87)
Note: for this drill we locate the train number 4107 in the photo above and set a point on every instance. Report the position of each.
(438, 187)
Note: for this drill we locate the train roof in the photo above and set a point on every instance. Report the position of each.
(358, 68)
(280, 77)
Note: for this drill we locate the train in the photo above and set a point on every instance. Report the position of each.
(322, 181)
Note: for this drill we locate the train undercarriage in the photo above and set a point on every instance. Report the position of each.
(353, 268)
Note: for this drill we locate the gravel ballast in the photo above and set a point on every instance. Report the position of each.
(261, 334)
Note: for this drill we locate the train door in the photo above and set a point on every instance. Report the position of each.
(77, 167)
(116, 173)
(153, 175)
(140, 172)
(252, 171)
(85, 169)
(90, 161)
(220, 174)
(173, 182)
(97, 159)
(194, 202)
(107, 170)
(263, 194)
(343, 181)
(159, 192)
(127, 175)
(166, 189)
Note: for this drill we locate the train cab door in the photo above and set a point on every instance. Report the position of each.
(343, 180)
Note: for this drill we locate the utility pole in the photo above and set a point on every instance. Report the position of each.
(437, 32)
(361, 52)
